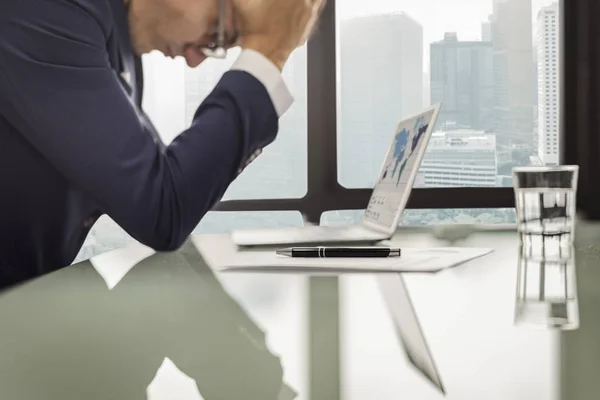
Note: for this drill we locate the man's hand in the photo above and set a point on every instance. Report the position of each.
(275, 28)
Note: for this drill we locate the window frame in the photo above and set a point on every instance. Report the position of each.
(579, 63)
(324, 192)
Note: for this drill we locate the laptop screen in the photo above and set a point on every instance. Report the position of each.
(399, 169)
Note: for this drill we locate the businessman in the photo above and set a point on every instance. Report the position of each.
(75, 144)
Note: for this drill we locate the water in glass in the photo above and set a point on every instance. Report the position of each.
(545, 199)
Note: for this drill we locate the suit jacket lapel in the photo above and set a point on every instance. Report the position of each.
(131, 73)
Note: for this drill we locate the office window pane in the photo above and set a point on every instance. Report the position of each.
(106, 235)
(172, 94)
(430, 217)
(499, 88)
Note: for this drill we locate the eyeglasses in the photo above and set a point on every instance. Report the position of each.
(221, 41)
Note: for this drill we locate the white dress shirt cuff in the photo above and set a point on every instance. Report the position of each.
(269, 75)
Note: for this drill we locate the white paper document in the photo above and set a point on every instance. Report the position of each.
(221, 254)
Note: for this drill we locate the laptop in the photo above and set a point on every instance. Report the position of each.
(387, 202)
(408, 328)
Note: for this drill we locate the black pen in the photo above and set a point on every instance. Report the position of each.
(339, 252)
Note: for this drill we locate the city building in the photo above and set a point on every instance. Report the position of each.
(381, 81)
(199, 82)
(462, 77)
(426, 89)
(486, 30)
(288, 153)
(511, 27)
(457, 158)
(163, 101)
(547, 42)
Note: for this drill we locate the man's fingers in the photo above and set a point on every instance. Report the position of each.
(322, 4)
(315, 3)
(318, 6)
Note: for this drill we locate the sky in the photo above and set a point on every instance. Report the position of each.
(165, 101)
(436, 16)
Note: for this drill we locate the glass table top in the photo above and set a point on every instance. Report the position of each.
(168, 327)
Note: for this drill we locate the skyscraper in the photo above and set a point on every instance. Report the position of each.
(513, 79)
(458, 158)
(547, 42)
(200, 81)
(381, 82)
(280, 171)
(486, 30)
(462, 77)
(163, 101)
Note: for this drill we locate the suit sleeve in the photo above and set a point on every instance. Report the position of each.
(58, 89)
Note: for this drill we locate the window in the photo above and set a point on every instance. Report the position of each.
(173, 93)
(393, 58)
(430, 217)
(397, 57)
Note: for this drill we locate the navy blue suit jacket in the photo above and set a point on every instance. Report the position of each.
(74, 143)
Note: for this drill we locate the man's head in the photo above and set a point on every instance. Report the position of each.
(177, 27)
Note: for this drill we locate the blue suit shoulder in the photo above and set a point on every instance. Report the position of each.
(60, 92)
(54, 12)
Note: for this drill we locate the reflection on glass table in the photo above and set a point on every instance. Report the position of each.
(167, 326)
(74, 335)
(546, 285)
(409, 330)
